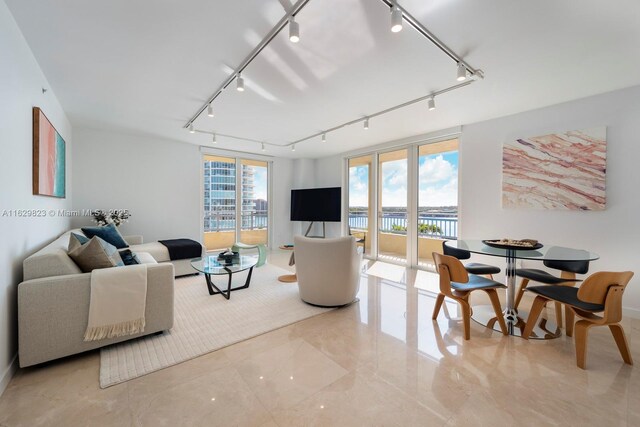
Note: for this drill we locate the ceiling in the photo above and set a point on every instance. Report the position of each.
(147, 66)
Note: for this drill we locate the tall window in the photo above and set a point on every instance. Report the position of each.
(360, 201)
(255, 205)
(437, 197)
(404, 202)
(229, 213)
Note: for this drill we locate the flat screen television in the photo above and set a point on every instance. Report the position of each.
(316, 204)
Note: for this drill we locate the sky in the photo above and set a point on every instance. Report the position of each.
(260, 182)
(438, 175)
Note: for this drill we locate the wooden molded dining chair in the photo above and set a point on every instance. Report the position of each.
(568, 270)
(472, 267)
(600, 293)
(457, 284)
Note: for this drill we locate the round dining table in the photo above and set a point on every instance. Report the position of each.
(516, 319)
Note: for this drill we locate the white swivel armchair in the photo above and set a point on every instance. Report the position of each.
(328, 270)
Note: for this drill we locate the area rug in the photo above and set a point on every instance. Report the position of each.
(205, 323)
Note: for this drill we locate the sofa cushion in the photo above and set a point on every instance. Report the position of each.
(96, 254)
(108, 233)
(146, 258)
(157, 250)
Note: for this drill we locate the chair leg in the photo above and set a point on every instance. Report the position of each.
(466, 318)
(569, 320)
(581, 338)
(523, 285)
(536, 309)
(621, 341)
(559, 314)
(495, 301)
(436, 308)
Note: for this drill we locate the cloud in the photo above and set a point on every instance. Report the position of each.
(436, 169)
(445, 195)
(438, 183)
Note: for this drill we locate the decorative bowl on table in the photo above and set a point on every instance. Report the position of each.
(520, 245)
(228, 257)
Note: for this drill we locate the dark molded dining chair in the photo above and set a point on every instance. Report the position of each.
(568, 270)
(600, 293)
(472, 267)
(457, 284)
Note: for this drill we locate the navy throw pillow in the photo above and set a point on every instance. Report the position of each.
(128, 257)
(108, 233)
(80, 238)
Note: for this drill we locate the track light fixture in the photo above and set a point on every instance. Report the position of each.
(462, 72)
(465, 73)
(431, 103)
(214, 139)
(294, 30)
(240, 83)
(396, 19)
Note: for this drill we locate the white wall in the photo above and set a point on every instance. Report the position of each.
(158, 181)
(21, 83)
(613, 233)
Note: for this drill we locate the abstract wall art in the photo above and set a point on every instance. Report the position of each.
(563, 171)
(49, 160)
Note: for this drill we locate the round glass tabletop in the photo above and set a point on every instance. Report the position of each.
(549, 253)
(211, 265)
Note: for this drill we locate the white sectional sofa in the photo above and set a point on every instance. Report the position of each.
(53, 300)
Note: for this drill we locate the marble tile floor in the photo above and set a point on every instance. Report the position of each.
(380, 362)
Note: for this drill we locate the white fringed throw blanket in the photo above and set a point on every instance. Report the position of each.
(118, 300)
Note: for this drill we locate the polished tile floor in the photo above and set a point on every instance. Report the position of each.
(380, 362)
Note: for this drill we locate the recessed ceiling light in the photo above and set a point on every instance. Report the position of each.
(240, 83)
(294, 30)
(210, 111)
(396, 19)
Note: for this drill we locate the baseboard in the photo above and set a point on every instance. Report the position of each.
(634, 313)
(8, 374)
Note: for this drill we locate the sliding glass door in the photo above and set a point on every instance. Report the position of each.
(409, 196)
(219, 202)
(255, 205)
(230, 215)
(361, 201)
(392, 205)
(437, 197)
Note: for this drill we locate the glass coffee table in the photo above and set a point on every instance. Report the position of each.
(210, 266)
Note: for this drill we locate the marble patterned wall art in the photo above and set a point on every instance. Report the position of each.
(563, 171)
(49, 158)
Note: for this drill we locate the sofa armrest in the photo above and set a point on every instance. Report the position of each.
(53, 313)
(134, 239)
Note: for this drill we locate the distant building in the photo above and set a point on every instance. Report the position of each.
(219, 196)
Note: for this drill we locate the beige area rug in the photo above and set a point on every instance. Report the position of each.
(205, 323)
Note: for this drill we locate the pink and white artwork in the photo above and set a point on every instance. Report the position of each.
(564, 171)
